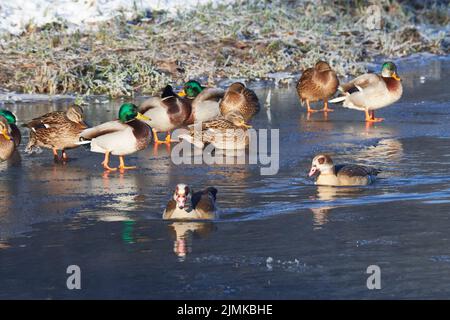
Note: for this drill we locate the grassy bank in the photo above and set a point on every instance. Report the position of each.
(245, 40)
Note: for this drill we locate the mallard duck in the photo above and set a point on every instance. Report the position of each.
(7, 145)
(370, 91)
(121, 137)
(57, 130)
(11, 118)
(240, 99)
(226, 132)
(329, 174)
(167, 112)
(205, 101)
(185, 204)
(317, 83)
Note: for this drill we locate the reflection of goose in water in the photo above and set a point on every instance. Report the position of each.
(327, 194)
(183, 233)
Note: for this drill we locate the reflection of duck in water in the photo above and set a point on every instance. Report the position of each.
(386, 150)
(188, 205)
(329, 193)
(183, 233)
(341, 175)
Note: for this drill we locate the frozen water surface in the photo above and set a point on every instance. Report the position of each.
(278, 236)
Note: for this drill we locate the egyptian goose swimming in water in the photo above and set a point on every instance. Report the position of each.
(317, 83)
(329, 174)
(187, 205)
(371, 92)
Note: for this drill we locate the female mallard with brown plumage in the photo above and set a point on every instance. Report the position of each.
(371, 92)
(226, 132)
(240, 99)
(187, 205)
(7, 145)
(121, 137)
(57, 130)
(12, 120)
(167, 112)
(318, 83)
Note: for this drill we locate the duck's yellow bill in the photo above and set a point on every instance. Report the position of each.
(182, 93)
(396, 77)
(140, 116)
(247, 126)
(6, 134)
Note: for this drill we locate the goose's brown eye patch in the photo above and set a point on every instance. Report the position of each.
(321, 160)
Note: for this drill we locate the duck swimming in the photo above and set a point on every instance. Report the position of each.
(329, 174)
(187, 205)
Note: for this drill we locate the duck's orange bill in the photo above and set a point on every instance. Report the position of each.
(396, 77)
(182, 93)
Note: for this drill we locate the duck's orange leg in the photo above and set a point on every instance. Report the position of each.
(167, 140)
(325, 107)
(64, 155)
(122, 165)
(105, 162)
(370, 116)
(55, 155)
(308, 107)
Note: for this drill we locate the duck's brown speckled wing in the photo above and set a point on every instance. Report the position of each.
(315, 86)
(245, 102)
(47, 120)
(54, 130)
(304, 84)
(351, 170)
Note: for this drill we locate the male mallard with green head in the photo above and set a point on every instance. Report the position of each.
(12, 120)
(57, 130)
(371, 92)
(205, 101)
(317, 83)
(121, 137)
(240, 99)
(167, 112)
(7, 145)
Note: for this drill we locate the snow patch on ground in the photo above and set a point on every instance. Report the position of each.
(15, 15)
